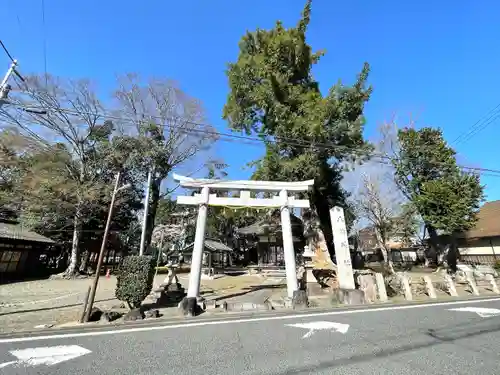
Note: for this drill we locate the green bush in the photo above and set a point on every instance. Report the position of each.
(135, 279)
(497, 265)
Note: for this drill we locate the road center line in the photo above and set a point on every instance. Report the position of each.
(240, 321)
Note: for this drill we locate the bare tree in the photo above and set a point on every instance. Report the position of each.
(169, 127)
(378, 199)
(73, 126)
(380, 210)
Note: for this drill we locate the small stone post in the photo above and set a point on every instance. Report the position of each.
(472, 283)
(382, 292)
(430, 288)
(451, 285)
(405, 283)
(493, 283)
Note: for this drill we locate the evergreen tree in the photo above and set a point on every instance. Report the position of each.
(427, 173)
(274, 94)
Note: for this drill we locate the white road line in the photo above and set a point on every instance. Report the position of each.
(483, 312)
(240, 321)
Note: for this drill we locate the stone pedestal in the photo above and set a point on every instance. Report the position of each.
(309, 275)
(169, 294)
(189, 307)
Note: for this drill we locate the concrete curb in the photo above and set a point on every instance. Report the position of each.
(224, 316)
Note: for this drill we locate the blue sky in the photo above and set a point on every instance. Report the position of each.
(434, 61)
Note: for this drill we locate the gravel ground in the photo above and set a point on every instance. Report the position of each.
(25, 305)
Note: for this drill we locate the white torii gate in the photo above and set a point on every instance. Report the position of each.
(205, 199)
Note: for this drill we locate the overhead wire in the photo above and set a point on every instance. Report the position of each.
(242, 138)
(44, 36)
(478, 126)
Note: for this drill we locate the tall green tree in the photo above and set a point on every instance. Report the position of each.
(307, 134)
(427, 173)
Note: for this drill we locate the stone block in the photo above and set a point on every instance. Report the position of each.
(152, 314)
(405, 286)
(367, 285)
(110, 316)
(493, 283)
(431, 292)
(248, 306)
(211, 304)
(299, 299)
(450, 285)
(382, 291)
(469, 276)
(349, 297)
(134, 314)
(95, 314)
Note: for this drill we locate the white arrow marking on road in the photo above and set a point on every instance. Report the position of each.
(322, 325)
(483, 312)
(49, 356)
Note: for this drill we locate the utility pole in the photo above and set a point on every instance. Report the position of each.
(4, 86)
(146, 210)
(103, 245)
(5, 90)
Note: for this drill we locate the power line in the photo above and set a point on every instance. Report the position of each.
(483, 127)
(478, 126)
(44, 34)
(241, 138)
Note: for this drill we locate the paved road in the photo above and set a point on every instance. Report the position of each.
(390, 340)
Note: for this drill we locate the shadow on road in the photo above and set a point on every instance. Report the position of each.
(432, 338)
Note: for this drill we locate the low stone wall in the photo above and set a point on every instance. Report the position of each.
(378, 288)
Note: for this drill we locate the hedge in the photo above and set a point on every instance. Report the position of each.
(135, 279)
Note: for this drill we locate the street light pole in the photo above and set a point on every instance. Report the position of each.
(103, 246)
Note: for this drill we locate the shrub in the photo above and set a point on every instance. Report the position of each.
(135, 279)
(496, 266)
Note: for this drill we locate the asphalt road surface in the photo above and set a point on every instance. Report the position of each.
(430, 339)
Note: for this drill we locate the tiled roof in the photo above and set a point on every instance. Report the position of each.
(216, 246)
(210, 245)
(265, 226)
(488, 223)
(17, 232)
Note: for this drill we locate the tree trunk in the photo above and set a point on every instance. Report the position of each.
(153, 208)
(75, 245)
(433, 242)
(386, 253)
(453, 253)
(320, 203)
(85, 261)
